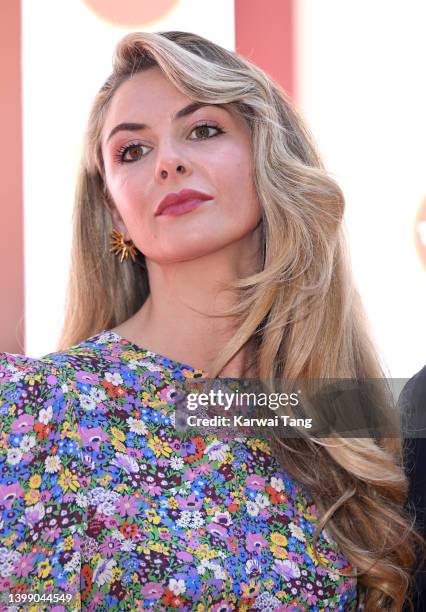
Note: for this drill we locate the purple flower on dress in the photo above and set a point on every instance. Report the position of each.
(187, 448)
(167, 394)
(51, 379)
(97, 599)
(216, 529)
(255, 542)
(128, 464)
(194, 542)
(295, 557)
(23, 424)
(203, 468)
(135, 452)
(92, 437)
(190, 503)
(216, 583)
(310, 596)
(128, 505)
(8, 494)
(109, 546)
(184, 556)
(34, 514)
(223, 518)
(25, 565)
(87, 377)
(111, 522)
(175, 445)
(256, 482)
(152, 590)
(46, 495)
(153, 488)
(51, 534)
(190, 474)
(5, 374)
(287, 569)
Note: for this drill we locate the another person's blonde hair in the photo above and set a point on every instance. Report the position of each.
(301, 307)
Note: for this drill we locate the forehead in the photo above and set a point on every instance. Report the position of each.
(147, 90)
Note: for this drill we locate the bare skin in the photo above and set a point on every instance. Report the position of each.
(189, 257)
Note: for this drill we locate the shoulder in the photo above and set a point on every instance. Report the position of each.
(98, 353)
(26, 380)
(102, 354)
(412, 402)
(14, 367)
(28, 384)
(34, 406)
(414, 391)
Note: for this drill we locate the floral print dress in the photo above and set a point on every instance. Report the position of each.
(104, 506)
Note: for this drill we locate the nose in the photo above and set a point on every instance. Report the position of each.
(171, 163)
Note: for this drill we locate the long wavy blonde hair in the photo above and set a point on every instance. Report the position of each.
(301, 308)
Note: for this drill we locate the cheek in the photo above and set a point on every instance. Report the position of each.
(234, 169)
(236, 180)
(127, 191)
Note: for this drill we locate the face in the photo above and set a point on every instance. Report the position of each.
(206, 149)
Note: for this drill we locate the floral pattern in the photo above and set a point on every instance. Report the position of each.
(101, 499)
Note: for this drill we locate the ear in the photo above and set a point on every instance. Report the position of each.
(117, 220)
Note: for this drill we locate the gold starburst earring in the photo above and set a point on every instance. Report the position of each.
(122, 247)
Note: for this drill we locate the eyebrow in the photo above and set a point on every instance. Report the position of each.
(183, 112)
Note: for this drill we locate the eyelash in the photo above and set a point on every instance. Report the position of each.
(119, 156)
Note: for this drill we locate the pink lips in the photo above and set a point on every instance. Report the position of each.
(181, 202)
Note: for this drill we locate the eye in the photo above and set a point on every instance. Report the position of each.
(130, 153)
(204, 131)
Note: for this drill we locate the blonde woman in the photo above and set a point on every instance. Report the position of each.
(207, 242)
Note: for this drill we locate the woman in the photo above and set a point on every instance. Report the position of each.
(102, 500)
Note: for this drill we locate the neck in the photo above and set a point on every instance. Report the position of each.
(182, 317)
